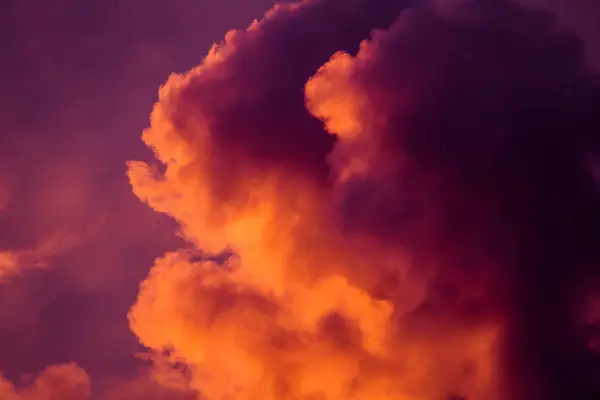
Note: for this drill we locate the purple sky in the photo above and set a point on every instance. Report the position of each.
(77, 83)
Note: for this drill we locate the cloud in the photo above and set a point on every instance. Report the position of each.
(476, 148)
(14, 262)
(418, 224)
(66, 381)
(410, 217)
(579, 15)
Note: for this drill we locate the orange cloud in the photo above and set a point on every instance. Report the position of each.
(66, 381)
(295, 311)
(358, 227)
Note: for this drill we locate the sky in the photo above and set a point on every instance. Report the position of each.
(78, 83)
(384, 199)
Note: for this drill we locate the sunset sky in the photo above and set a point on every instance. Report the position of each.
(342, 200)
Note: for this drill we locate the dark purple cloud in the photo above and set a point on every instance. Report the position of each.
(484, 122)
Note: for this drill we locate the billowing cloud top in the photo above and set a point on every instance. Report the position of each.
(382, 201)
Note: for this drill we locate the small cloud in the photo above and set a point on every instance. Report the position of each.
(14, 262)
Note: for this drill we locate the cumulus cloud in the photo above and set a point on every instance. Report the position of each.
(414, 217)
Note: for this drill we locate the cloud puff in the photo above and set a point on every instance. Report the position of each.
(66, 381)
(407, 216)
